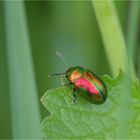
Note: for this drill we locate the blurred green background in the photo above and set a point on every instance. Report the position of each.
(69, 27)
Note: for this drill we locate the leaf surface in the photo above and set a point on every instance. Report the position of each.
(118, 117)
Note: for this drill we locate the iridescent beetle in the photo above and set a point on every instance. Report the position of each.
(86, 83)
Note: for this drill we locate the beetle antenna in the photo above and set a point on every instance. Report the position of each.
(61, 57)
(64, 61)
(50, 75)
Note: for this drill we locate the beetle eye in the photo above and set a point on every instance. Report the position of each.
(68, 72)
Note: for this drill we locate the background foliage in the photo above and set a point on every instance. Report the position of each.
(39, 29)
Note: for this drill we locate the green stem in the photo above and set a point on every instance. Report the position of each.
(23, 92)
(112, 35)
(132, 28)
(139, 61)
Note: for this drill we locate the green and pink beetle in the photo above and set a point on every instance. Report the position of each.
(86, 83)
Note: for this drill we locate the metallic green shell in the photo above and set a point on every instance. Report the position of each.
(87, 84)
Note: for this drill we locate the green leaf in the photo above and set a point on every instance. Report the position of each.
(118, 117)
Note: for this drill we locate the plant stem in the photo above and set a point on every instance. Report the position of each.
(132, 28)
(23, 92)
(112, 35)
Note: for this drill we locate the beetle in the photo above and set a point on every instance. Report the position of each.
(86, 83)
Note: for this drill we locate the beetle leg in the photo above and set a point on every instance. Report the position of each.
(73, 91)
(74, 95)
(66, 84)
